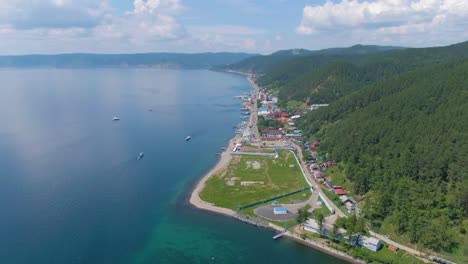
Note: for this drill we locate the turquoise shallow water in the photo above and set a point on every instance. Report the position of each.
(72, 191)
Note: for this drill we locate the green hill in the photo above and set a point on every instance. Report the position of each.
(398, 126)
(406, 149)
(268, 63)
(326, 78)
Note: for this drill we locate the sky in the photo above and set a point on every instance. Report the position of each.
(253, 26)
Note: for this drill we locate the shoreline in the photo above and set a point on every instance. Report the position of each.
(222, 163)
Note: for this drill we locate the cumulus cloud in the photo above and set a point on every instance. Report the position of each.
(443, 19)
(149, 21)
(60, 23)
(28, 14)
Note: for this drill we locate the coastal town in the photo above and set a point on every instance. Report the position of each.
(270, 175)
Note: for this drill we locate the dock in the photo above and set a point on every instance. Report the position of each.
(280, 234)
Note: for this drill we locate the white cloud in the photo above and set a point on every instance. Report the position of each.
(28, 14)
(227, 30)
(406, 20)
(56, 24)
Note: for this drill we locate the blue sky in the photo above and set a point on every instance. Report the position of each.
(256, 26)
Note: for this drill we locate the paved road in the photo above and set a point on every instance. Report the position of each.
(315, 185)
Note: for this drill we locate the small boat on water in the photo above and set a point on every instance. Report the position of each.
(223, 148)
(140, 156)
(188, 138)
(115, 118)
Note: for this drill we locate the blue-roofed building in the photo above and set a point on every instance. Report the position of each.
(280, 210)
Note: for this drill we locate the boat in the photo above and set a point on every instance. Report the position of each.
(115, 118)
(140, 156)
(223, 148)
(188, 138)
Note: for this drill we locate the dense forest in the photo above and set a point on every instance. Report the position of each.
(268, 63)
(407, 151)
(398, 122)
(327, 77)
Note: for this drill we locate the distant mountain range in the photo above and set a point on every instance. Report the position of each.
(265, 63)
(162, 60)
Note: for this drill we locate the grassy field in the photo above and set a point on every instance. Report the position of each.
(250, 179)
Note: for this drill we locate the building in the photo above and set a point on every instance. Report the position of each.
(317, 106)
(318, 174)
(344, 199)
(339, 190)
(312, 226)
(280, 210)
(393, 248)
(272, 134)
(371, 243)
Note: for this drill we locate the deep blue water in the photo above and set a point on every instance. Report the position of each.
(72, 190)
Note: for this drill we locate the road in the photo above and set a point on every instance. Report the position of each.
(340, 213)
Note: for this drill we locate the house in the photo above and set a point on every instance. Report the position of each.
(280, 210)
(393, 248)
(349, 207)
(272, 134)
(339, 190)
(371, 243)
(329, 184)
(312, 226)
(283, 119)
(317, 106)
(318, 175)
(344, 199)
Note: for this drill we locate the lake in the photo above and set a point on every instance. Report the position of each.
(73, 191)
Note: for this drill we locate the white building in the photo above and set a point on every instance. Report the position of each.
(317, 106)
(312, 226)
(371, 243)
(280, 210)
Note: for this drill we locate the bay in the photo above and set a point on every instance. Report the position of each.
(73, 191)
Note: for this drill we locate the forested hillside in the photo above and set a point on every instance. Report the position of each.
(326, 78)
(267, 63)
(404, 143)
(398, 126)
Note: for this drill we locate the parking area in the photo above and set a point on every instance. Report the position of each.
(267, 212)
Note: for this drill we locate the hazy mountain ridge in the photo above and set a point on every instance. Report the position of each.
(165, 60)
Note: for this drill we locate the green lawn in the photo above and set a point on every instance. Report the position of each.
(274, 177)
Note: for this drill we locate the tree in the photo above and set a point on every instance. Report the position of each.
(320, 220)
(303, 214)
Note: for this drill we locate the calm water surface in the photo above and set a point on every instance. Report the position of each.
(72, 190)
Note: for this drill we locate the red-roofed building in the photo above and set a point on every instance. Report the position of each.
(271, 134)
(393, 248)
(339, 190)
